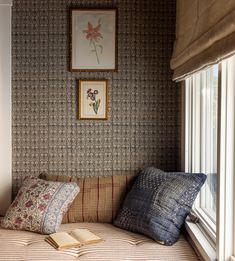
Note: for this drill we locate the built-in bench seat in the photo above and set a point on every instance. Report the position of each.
(94, 208)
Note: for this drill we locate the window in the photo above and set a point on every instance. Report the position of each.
(201, 130)
(210, 148)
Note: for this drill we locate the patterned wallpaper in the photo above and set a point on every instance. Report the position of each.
(142, 128)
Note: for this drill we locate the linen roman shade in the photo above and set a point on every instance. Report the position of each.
(205, 34)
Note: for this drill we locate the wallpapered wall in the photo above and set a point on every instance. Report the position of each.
(143, 105)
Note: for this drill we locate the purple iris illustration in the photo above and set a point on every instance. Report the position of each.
(95, 104)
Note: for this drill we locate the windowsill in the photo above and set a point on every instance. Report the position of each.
(207, 225)
(201, 242)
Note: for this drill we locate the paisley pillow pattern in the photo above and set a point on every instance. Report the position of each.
(40, 205)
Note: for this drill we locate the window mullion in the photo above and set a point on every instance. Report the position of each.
(188, 127)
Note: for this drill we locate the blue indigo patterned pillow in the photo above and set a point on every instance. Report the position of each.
(159, 203)
(39, 205)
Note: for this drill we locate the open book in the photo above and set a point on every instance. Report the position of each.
(75, 238)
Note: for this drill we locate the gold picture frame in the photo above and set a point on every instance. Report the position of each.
(93, 100)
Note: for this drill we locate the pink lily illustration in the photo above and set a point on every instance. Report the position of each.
(93, 35)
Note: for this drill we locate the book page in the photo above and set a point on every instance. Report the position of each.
(85, 236)
(63, 239)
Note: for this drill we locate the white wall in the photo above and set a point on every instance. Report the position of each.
(5, 105)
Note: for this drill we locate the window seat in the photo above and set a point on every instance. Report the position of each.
(94, 209)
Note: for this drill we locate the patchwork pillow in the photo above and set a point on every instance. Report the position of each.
(39, 205)
(159, 203)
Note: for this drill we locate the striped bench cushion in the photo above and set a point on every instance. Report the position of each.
(99, 198)
(118, 245)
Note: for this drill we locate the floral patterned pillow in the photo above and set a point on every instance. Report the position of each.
(39, 205)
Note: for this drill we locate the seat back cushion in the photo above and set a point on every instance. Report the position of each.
(99, 198)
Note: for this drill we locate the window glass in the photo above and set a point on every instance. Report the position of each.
(209, 118)
(201, 134)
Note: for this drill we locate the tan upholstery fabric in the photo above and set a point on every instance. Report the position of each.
(119, 245)
(205, 34)
(99, 197)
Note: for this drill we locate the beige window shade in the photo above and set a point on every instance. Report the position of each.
(205, 34)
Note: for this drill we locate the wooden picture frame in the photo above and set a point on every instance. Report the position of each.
(93, 100)
(93, 40)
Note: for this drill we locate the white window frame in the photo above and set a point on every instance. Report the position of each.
(225, 240)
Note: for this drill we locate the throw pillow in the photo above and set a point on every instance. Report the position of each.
(39, 205)
(159, 203)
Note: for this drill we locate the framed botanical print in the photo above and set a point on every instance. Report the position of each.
(93, 39)
(93, 100)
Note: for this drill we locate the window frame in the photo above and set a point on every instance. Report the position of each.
(220, 235)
